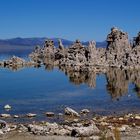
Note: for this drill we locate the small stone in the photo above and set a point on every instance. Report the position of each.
(13, 127)
(49, 114)
(7, 107)
(71, 112)
(75, 120)
(94, 138)
(137, 117)
(31, 115)
(138, 132)
(109, 135)
(5, 115)
(104, 123)
(85, 131)
(133, 125)
(16, 116)
(124, 128)
(3, 124)
(60, 114)
(63, 132)
(121, 119)
(6, 129)
(1, 132)
(22, 128)
(84, 111)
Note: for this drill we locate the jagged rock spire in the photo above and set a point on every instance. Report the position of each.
(118, 41)
(60, 44)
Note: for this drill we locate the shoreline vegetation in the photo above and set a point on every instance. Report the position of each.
(119, 54)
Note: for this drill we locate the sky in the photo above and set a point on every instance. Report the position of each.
(68, 19)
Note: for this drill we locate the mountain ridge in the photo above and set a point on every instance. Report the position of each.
(33, 41)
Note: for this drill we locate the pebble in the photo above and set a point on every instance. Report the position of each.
(60, 114)
(5, 115)
(84, 111)
(94, 138)
(49, 114)
(7, 107)
(16, 116)
(137, 117)
(138, 132)
(31, 115)
(124, 128)
(121, 119)
(1, 132)
(69, 111)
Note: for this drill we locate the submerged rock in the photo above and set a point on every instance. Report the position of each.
(49, 114)
(31, 115)
(14, 61)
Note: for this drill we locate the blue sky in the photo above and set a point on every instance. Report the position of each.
(69, 19)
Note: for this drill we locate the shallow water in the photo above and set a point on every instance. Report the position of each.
(39, 90)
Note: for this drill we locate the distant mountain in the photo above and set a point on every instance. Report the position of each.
(40, 41)
(31, 41)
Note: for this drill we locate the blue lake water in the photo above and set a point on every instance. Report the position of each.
(38, 90)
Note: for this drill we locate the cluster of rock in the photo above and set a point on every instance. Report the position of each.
(16, 63)
(77, 56)
(118, 80)
(119, 53)
(99, 127)
(13, 61)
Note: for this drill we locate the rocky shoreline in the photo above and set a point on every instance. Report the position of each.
(98, 128)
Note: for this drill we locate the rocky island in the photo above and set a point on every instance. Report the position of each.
(119, 53)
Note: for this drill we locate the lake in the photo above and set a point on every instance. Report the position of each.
(39, 90)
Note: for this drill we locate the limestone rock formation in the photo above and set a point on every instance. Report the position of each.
(78, 57)
(118, 41)
(137, 40)
(60, 52)
(133, 57)
(13, 61)
(91, 52)
(75, 55)
(118, 47)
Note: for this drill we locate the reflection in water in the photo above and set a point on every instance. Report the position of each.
(136, 82)
(117, 80)
(49, 64)
(80, 77)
